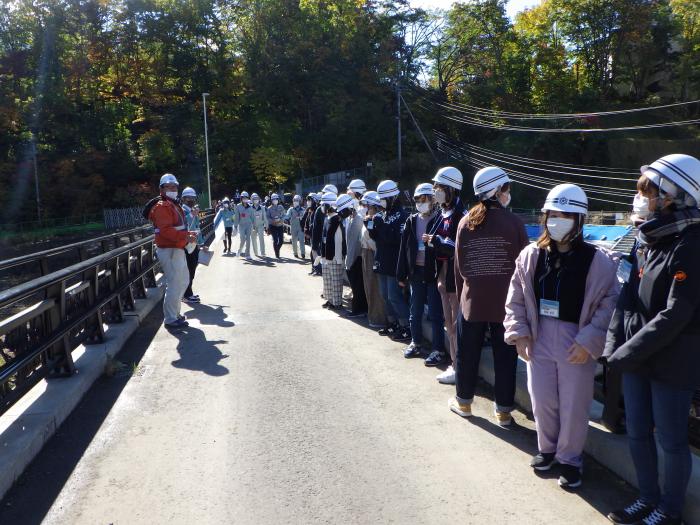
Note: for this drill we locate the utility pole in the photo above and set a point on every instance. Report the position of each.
(206, 144)
(398, 124)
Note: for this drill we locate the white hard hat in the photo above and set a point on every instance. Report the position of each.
(255, 196)
(682, 170)
(244, 194)
(387, 188)
(371, 198)
(297, 198)
(168, 178)
(189, 192)
(357, 186)
(342, 202)
(449, 176)
(226, 199)
(488, 181)
(329, 198)
(274, 196)
(567, 198)
(330, 188)
(423, 189)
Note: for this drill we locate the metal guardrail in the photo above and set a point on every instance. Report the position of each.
(61, 310)
(68, 308)
(104, 243)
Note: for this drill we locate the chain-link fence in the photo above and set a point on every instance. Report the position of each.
(123, 217)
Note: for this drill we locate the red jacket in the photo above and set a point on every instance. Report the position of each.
(169, 222)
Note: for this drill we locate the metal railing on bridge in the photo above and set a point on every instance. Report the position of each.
(44, 319)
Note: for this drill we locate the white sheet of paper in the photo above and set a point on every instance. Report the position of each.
(205, 257)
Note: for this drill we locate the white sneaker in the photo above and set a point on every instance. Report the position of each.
(447, 377)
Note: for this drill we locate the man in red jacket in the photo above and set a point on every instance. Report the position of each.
(168, 218)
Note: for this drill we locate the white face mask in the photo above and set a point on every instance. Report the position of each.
(640, 206)
(423, 207)
(171, 195)
(505, 197)
(309, 203)
(297, 203)
(275, 201)
(383, 203)
(559, 227)
(256, 202)
(440, 196)
(225, 204)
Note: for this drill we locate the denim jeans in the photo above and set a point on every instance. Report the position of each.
(422, 292)
(470, 339)
(384, 292)
(394, 300)
(650, 404)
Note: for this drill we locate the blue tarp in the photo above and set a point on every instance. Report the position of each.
(591, 232)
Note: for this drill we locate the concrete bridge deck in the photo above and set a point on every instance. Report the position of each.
(269, 409)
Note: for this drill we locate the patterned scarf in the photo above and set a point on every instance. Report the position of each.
(661, 227)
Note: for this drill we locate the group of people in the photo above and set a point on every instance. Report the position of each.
(250, 219)
(560, 303)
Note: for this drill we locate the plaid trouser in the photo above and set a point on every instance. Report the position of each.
(333, 276)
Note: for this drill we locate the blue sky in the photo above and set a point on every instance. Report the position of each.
(513, 7)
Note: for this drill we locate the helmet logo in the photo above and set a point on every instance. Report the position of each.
(563, 201)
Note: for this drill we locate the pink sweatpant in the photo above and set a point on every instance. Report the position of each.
(561, 393)
(450, 306)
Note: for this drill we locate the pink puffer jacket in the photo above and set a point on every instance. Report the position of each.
(602, 289)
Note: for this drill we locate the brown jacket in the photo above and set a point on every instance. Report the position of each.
(484, 264)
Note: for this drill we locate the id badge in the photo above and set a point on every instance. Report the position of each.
(624, 269)
(421, 246)
(549, 308)
(370, 225)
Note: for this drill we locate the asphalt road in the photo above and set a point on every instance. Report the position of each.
(270, 409)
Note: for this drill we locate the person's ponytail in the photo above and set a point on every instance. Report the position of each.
(477, 215)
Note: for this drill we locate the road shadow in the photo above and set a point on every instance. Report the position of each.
(31, 497)
(197, 353)
(263, 261)
(211, 314)
(602, 489)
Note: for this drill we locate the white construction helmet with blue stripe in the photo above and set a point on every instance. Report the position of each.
(274, 196)
(371, 198)
(342, 202)
(189, 192)
(387, 188)
(329, 188)
(488, 181)
(449, 176)
(566, 198)
(328, 198)
(682, 171)
(245, 194)
(357, 186)
(255, 196)
(423, 189)
(168, 178)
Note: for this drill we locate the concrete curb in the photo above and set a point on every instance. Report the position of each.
(608, 449)
(30, 423)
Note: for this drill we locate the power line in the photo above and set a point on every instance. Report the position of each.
(611, 190)
(502, 127)
(574, 167)
(547, 116)
(521, 179)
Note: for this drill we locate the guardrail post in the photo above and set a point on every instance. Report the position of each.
(59, 360)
